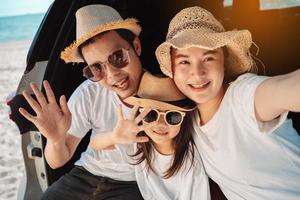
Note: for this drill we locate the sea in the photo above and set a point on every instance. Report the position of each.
(16, 34)
(21, 27)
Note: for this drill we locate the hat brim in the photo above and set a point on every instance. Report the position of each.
(71, 55)
(146, 103)
(237, 42)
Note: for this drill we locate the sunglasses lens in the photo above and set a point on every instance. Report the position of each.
(151, 116)
(93, 72)
(119, 59)
(173, 118)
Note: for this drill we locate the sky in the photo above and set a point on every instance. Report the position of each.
(20, 7)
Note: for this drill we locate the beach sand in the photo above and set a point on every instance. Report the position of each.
(12, 65)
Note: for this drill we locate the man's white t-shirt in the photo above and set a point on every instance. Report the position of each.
(95, 107)
(247, 158)
(190, 183)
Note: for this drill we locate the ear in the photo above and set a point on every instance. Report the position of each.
(137, 46)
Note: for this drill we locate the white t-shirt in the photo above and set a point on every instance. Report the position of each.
(94, 107)
(189, 183)
(249, 159)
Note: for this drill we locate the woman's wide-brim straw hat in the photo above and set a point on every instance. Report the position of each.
(92, 20)
(196, 27)
(160, 93)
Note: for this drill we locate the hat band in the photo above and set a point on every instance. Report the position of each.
(182, 103)
(194, 25)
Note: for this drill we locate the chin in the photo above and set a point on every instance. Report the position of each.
(125, 94)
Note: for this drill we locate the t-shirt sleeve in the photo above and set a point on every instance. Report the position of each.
(80, 107)
(243, 92)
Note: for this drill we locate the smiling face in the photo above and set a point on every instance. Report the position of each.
(124, 81)
(163, 134)
(199, 73)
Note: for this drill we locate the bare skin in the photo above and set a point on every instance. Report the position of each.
(54, 120)
(125, 132)
(161, 134)
(199, 74)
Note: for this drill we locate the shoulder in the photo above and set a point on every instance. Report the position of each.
(91, 91)
(247, 80)
(244, 87)
(87, 87)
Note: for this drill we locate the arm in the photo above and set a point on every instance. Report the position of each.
(277, 95)
(125, 132)
(57, 153)
(53, 121)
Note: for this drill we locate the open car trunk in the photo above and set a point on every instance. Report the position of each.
(276, 32)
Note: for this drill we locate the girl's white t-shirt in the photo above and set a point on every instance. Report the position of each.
(189, 183)
(94, 107)
(247, 158)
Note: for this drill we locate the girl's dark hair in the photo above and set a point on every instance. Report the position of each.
(125, 34)
(184, 149)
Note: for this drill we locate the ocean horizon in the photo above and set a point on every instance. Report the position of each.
(19, 27)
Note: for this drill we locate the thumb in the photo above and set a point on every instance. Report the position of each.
(142, 139)
(120, 112)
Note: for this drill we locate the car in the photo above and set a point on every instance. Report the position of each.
(275, 30)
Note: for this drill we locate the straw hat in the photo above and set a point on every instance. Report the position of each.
(196, 27)
(92, 20)
(160, 93)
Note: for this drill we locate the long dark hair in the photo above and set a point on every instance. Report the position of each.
(183, 144)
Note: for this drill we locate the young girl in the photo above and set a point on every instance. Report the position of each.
(167, 164)
(247, 144)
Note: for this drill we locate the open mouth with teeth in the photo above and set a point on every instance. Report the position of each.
(122, 84)
(202, 86)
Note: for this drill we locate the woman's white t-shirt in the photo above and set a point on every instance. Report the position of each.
(247, 158)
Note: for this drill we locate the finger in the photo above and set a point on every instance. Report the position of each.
(141, 139)
(39, 95)
(141, 116)
(64, 105)
(120, 112)
(147, 126)
(33, 104)
(49, 92)
(111, 147)
(133, 112)
(26, 114)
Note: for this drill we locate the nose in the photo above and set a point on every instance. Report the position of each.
(198, 69)
(111, 71)
(161, 125)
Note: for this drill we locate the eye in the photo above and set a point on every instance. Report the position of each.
(119, 58)
(96, 67)
(183, 62)
(210, 58)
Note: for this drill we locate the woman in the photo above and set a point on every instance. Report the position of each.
(247, 144)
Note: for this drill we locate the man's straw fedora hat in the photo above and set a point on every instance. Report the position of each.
(92, 20)
(160, 93)
(196, 27)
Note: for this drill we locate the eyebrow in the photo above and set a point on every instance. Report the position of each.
(210, 52)
(205, 53)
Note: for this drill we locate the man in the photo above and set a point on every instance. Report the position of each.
(111, 48)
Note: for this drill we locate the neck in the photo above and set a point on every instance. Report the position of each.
(165, 148)
(208, 109)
